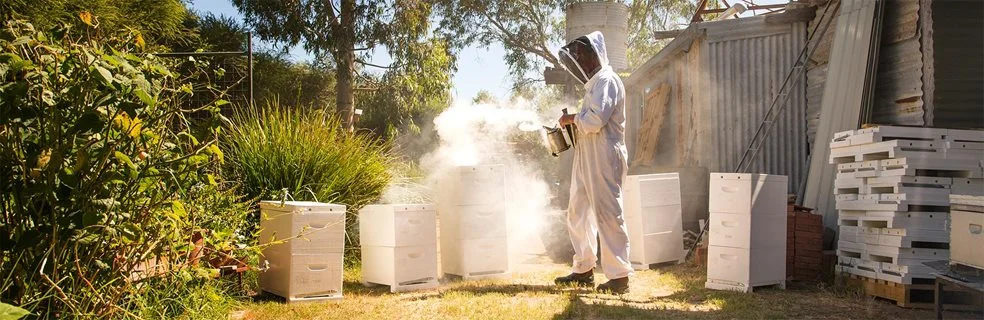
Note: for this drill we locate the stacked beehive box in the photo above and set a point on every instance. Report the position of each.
(304, 244)
(472, 212)
(966, 234)
(399, 246)
(892, 190)
(654, 219)
(804, 244)
(747, 244)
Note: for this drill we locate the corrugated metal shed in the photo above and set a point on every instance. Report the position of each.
(954, 46)
(931, 65)
(722, 76)
(747, 62)
(898, 87)
(842, 99)
(930, 72)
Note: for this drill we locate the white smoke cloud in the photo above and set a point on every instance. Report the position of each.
(486, 134)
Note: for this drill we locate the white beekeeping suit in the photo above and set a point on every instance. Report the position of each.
(599, 169)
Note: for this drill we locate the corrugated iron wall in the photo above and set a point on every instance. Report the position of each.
(958, 69)
(746, 63)
(898, 86)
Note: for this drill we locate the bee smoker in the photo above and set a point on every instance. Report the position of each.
(557, 140)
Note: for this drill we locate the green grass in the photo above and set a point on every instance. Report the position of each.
(670, 293)
(305, 153)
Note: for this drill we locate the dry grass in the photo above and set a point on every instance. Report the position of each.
(670, 293)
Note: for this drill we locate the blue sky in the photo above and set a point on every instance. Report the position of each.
(478, 68)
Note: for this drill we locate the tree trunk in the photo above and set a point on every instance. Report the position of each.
(345, 59)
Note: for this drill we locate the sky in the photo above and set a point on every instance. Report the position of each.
(478, 68)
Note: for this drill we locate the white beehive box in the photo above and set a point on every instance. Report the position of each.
(745, 193)
(654, 218)
(473, 234)
(398, 225)
(399, 246)
(747, 243)
(966, 234)
(473, 185)
(306, 243)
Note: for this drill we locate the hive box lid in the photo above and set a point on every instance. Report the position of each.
(401, 207)
(301, 206)
(748, 176)
(653, 176)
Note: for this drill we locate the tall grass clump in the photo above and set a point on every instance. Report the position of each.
(305, 153)
(110, 204)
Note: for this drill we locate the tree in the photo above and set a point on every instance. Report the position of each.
(157, 21)
(343, 33)
(527, 29)
(648, 16)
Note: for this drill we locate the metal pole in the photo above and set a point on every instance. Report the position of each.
(249, 64)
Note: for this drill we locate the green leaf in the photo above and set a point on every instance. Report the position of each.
(122, 158)
(104, 75)
(21, 41)
(9, 312)
(144, 97)
(221, 102)
(178, 208)
(130, 231)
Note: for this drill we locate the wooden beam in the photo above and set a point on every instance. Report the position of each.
(698, 14)
(654, 113)
(759, 7)
(668, 34)
(734, 10)
(792, 15)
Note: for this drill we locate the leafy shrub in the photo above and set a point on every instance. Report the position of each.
(100, 176)
(305, 153)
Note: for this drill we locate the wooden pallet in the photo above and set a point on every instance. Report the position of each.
(919, 296)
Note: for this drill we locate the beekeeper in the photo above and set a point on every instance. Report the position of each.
(599, 168)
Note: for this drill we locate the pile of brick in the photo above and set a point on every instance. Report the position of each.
(892, 189)
(804, 244)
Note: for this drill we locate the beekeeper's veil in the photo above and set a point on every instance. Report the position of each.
(595, 42)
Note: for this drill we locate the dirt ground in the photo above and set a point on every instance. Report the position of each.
(673, 292)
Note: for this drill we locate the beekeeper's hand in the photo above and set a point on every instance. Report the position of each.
(566, 119)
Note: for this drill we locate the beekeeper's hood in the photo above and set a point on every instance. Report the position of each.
(568, 58)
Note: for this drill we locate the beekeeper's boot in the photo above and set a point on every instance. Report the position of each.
(615, 286)
(577, 279)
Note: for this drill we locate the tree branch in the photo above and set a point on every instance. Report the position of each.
(510, 39)
(363, 62)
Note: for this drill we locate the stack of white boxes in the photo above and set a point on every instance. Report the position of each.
(654, 219)
(747, 246)
(472, 211)
(399, 246)
(304, 256)
(892, 188)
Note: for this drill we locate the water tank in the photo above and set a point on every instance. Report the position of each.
(611, 18)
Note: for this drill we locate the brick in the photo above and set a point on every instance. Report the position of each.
(808, 260)
(809, 235)
(809, 219)
(811, 254)
(807, 267)
(810, 243)
(808, 228)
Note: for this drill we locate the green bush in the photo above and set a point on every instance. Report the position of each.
(305, 153)
(101, 174)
